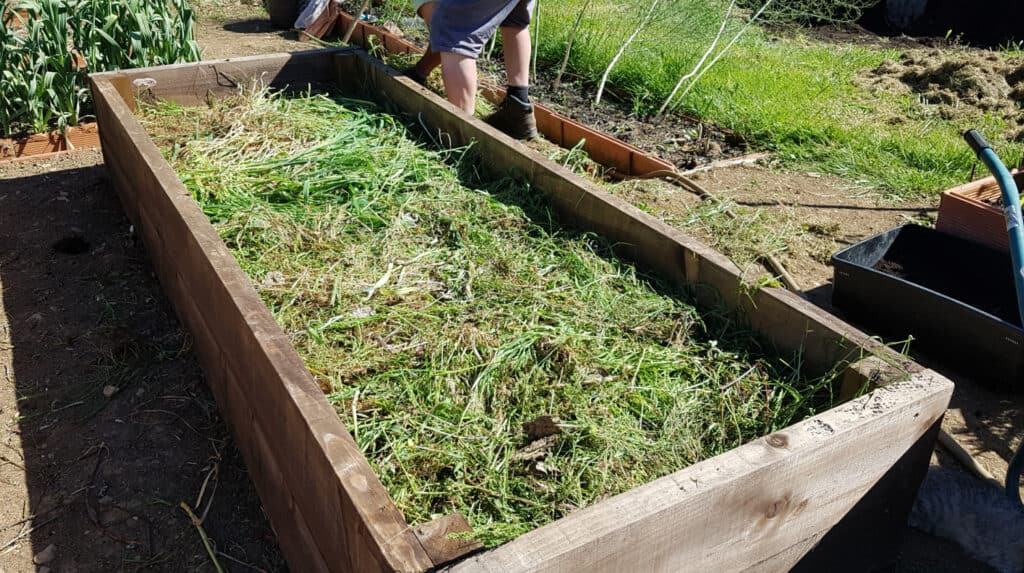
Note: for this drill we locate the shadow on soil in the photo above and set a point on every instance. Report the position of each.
(257, 26)
(117, 425)
(992, 419)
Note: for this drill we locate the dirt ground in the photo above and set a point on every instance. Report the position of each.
(230, 28)
(106, 424)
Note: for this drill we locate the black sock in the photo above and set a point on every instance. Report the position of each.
(521, 93)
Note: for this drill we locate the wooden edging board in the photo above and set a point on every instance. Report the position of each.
(829, 493)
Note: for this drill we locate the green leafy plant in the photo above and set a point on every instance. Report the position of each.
(47, 47)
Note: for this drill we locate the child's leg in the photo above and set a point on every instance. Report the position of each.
(516, 42)
(459, 74)
(515, 115)
(430, 59)
(459, 30)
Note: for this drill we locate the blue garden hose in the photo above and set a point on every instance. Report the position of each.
(1011, 207)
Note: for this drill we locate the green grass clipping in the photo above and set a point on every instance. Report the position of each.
(485, 359)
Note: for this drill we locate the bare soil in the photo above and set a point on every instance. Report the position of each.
(817, 214)
(231, 28)
(685, 142)
(106, 422)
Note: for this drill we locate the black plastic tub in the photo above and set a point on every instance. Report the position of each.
(955, 298)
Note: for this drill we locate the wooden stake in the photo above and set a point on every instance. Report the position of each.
(696, 69)
(964, 457)
(568, 48)
(355, 22)
(622, 50)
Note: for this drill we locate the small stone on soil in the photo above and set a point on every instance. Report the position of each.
(109, 391)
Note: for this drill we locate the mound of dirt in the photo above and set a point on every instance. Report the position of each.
(959, 83)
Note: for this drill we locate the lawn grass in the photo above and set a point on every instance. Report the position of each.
(786, 93)
(790, 94)
(485, 360)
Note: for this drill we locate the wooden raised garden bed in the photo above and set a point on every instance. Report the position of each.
(829, 493)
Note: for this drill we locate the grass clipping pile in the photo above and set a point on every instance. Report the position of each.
(485, 360)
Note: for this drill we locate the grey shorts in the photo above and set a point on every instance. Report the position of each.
(464, 26)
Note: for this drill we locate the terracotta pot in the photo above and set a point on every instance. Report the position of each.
(87, 135)
(973, 211)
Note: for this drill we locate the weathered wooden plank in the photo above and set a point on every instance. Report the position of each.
(879, 518)
(867, 374)
(293, 533)
(234, 329)
(194, 84)
(762, 506)
(437, 538)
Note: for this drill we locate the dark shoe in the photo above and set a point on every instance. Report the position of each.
(413, 73)
(515, 117)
